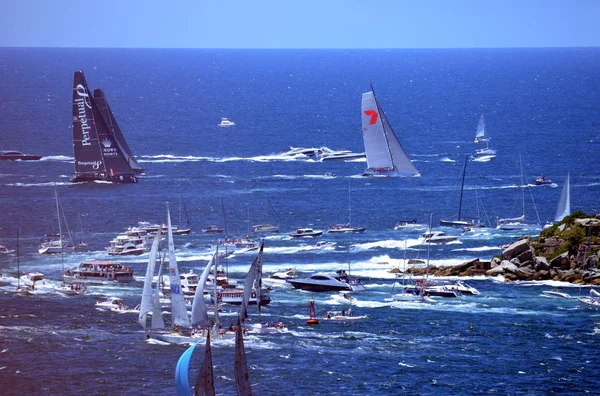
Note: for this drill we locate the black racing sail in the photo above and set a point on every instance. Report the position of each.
(97, 154)
(111, 122)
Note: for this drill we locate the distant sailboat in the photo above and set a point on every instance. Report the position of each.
(483, 154)
(99, 147)
(385, 155)
(517, 223)
(564, 204)
(346, 228)
(459, 222)
(480, 135)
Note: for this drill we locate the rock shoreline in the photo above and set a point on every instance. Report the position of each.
(566, 252)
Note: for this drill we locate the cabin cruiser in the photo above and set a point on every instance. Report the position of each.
(344, 229)
(97, 271)
(16, 155)
(240, 243)
(438, 237)
(306, 232)
(431, 289)
(128, 249)
(189, 283)
(265, 228)
(235, 296)
(225, 122)
(541, 180)
(324, 282)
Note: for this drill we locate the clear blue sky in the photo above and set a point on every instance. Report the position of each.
(300, 23)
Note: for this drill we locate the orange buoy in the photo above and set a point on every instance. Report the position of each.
(312, 318)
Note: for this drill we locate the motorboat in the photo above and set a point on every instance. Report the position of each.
(409, 225)
(213, 229)
(5, 250)
(189, 283)
(32, 277)
(128, 249)
(541, 180)
(239, 243)
(148, 227)
(344, 229)
(324, 282)
(438, 237)
(265, 228)
(288, 273)
(236, 296)
(306, 232)
(305, 151)
(343, 315)
(97, 271)
(71, 290)
(115, 304)
(226, 123)
(458, 286)
(428, 289)
(554, 293)
(16, 155)
(327, 154)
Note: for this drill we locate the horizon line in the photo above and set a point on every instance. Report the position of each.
(301, 48)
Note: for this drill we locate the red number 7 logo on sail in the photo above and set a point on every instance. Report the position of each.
(373, 114)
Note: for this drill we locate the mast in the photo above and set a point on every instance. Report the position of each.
(18, 272)
(178, 311)
(522, 186)
(462, 186)
(349, 206)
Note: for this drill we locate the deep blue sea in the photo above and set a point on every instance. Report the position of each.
(540, 105)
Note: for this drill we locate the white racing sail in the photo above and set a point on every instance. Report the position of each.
(480, 135)
(199, 314)
(147, 304)
(179, 314)
(385, 155)
(253, 280)
(564, 204)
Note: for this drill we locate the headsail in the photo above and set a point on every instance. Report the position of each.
(147, 304)
(564, 205)
(199, 314)
(385, 155)
(178, 311)
(480, 135)
(111, 122)
(86, 145)
(242, 379)
(157, 319)
(253, 280)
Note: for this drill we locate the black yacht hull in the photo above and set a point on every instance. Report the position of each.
(82, 178)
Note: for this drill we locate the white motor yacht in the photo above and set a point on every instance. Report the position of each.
(323, 282)
(306, 232)
(438, 237)
(225, 122)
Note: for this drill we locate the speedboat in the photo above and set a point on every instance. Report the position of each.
(71, 290)
(213, 229)
(438, 237)
(342, 315)
(306, 151)
(541, 180)
(225, 122)
(5, 250)
(323, 282)
(306, 232)
(265, 228)
(344, 229)
(16, 155)
(428, 289)
(555, 294)
(409, 225)
(327, 154)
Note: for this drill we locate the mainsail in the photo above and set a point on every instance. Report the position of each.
(86, 145)
(240, 369)
(98, 155)
(564, 205)
(113, 126)
(147, 304)
(385, 155)
(253, 280)
(179, 314)
(480, 135)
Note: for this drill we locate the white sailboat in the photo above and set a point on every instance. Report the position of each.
(517, 223)
(150, 300)
(460, 222)
(483, 154)
(385, 155)
(564, 204)
(346, 228)
(480, 135)
(55, 246)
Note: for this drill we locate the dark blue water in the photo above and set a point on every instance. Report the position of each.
(539, 104)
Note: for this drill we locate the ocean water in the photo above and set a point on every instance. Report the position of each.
(541, 110)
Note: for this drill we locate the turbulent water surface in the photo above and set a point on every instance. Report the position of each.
(539, 105)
